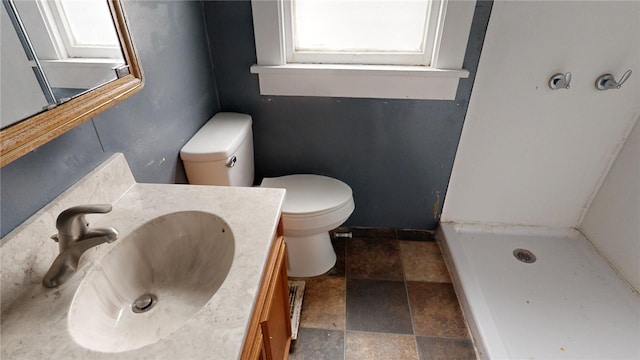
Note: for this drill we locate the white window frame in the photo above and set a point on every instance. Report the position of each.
(61, 69)
(56, 20)
(439, 80)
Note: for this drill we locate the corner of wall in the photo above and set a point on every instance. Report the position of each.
(614, 155)
(611, 220)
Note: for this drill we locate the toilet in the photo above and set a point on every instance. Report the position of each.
(221, 153)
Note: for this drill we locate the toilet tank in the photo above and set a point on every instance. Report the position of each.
(221, 152)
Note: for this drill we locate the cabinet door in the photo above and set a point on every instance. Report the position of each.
(276, 323)
(263, 351)
(269, 333)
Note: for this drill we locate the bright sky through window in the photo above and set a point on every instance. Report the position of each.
(89, 22)
(360, 25)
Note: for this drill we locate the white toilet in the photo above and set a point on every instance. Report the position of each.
(221, 153)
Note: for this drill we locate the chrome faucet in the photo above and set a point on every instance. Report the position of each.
(74, 237)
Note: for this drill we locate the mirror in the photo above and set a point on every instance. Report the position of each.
(62, 47)
(58, 81)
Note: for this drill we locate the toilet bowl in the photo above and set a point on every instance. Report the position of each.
(313, 205)
(221, 153)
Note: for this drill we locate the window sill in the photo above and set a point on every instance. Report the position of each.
(80, 73)
(359, 81)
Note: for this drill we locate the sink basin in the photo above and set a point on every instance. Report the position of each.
(151, 282)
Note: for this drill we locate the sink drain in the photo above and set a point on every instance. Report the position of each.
(144, 303)
(524, 255)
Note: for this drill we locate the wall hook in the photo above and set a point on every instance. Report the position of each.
(560, 81)
(606, 81)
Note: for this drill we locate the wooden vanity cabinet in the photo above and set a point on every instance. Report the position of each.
(269, 335)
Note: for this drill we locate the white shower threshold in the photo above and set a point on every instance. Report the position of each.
(568, 304)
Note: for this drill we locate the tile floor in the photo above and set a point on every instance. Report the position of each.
(388, 297)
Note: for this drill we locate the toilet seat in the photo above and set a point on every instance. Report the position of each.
(313, 203)
(310, 195)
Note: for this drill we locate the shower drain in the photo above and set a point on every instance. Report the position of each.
(144, 303)
(524, 255)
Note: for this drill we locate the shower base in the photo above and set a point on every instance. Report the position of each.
(568, 303)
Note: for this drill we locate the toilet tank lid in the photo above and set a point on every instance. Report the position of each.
(218, 139)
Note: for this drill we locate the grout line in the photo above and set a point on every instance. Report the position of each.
(379, 333)
(406, 289)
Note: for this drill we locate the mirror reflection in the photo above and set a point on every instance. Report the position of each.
(54, 50)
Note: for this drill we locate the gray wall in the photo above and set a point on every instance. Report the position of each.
(397, 155)
(149, 128)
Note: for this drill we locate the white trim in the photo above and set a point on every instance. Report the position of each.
(369, 81)
(50, 34)
(269, 34)
(74, 49)
(45, 38)
(453, 34)
(80, 73)
(439, 81)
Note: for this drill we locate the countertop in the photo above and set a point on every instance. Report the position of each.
(34, 323)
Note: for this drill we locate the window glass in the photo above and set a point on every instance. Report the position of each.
(360, 25)
(89, 22)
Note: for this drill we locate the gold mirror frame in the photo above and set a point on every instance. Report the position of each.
(20, 138)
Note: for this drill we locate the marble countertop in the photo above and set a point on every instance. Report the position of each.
(34, 318)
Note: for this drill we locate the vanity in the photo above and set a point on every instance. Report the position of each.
(225, 297)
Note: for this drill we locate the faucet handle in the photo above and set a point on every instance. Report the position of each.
(560, 81)
(607, 81)
(72, 221)
(625, 77)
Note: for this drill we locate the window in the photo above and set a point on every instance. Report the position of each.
(361, 48)
(85, 28)
(74, 40)
(360, 32)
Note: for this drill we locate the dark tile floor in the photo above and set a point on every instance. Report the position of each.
(388, 297)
